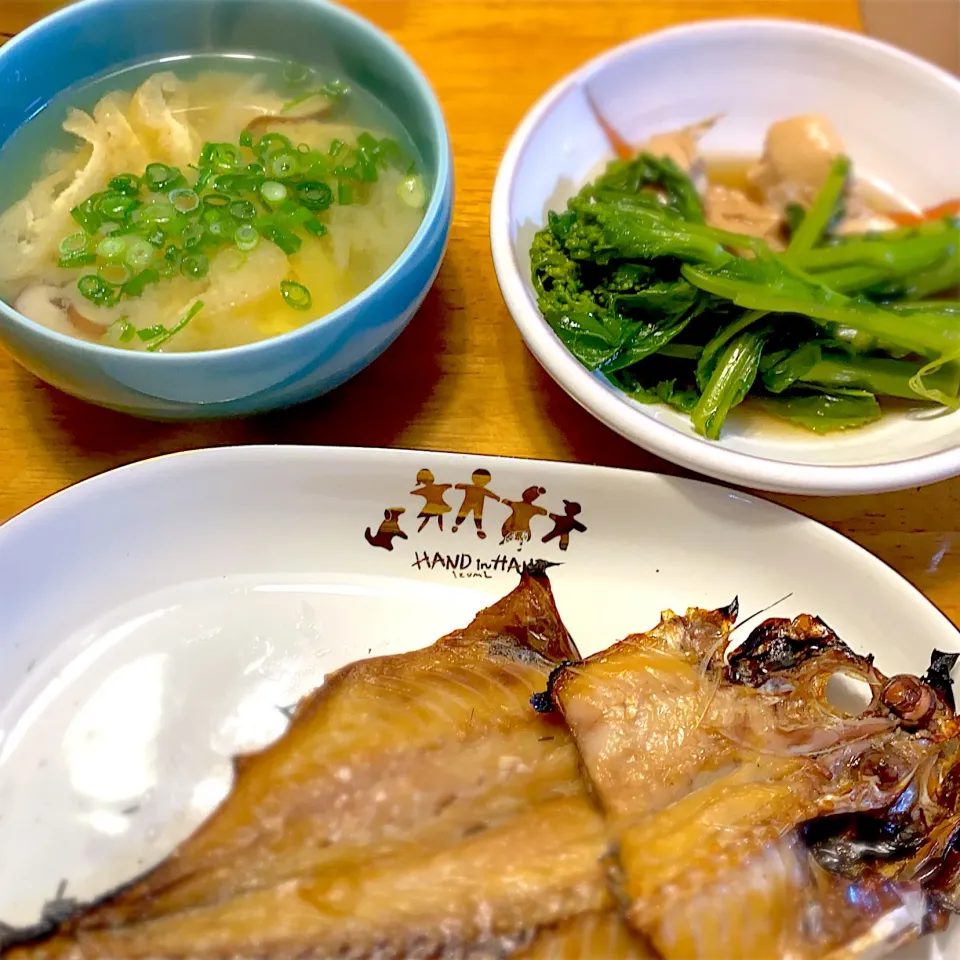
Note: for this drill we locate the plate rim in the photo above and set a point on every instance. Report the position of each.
(704, 493)
(73, 495)
(615, 411)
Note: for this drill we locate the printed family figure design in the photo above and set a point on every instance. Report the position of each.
(516, 528)
(522, 511)
(434, 505)
(389, 529)
(474, 494)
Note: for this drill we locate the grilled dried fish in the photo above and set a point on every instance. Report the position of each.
(711, 773)
(415, 805)
(591, 936)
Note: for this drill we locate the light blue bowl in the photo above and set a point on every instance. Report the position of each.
(94, 36)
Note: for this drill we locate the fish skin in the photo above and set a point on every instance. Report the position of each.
(539, 867)
(706, 782)
(601, 935)
(397, 769)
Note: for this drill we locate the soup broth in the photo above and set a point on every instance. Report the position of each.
(203, 203)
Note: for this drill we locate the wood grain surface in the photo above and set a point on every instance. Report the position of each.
(460, 377)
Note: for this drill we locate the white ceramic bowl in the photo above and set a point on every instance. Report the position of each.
(900, 120)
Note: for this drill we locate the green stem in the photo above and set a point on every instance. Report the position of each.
(821, 213)
(705, 364)
(730, 382)
(880, 376)
(899, 256)
(928, 334)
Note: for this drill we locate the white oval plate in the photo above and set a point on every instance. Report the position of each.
(899, 118)
(156, 620)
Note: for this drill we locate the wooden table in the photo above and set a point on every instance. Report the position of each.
(460, 377)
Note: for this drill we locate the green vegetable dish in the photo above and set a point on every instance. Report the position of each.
(789, 284)
(218, 203)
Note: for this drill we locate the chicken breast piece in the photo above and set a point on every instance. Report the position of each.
(797, 156)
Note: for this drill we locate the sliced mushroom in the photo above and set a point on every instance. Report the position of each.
(52, 307)
(314, 107)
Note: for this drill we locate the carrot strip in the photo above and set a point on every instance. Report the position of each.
(620, 146)
(906, 218)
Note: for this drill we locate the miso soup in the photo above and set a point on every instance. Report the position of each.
(204, 202)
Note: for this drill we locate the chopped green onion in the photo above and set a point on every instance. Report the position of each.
(112, 248)
(86, 213)
(234, 183)
(213, 215)
(126, 183)
(195, 266)
(156, 238)
(206, 175)
(273, 192)
(243, 210)
(283, 165)
(192, 234)
(176, 328)
(366, 168)
(315, 165)
(127, 330)
(303, 98)
(172, 254)
(287, 241)
(171, 261)
(75, 243)
(296, 295)
(71, 261)
(272, 141)
(221, 156)
(222, 228)
(184, 199)
(277, 197)
(160, 176)
(151, 333)
(116, 206)
(135, 286)
(247, 237)
(394, 155)
(412, 192)
(314, 194)
(98, 291)
(333, 90)
(139, 253)
(116, 274)
(157, 211)
(216, 200)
